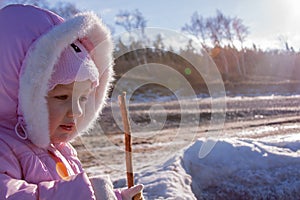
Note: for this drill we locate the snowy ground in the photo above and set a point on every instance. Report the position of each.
(246, 169)
(235, 169)
(256, 157)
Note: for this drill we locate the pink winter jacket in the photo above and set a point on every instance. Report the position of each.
(29, 172)
(31, 40)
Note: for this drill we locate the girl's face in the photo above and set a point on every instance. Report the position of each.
(66, 106)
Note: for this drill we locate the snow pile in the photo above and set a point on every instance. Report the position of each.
(246, 169)
(169, 181)
(234, 169)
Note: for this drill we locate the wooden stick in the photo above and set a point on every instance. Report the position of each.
(127, 131)
(128, 150)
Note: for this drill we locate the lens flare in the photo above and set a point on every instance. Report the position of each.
(187, 71)
(183, 75)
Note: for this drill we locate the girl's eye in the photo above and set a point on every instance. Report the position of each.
(83, 98)
(61, 97)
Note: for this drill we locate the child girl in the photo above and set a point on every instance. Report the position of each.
(54, 79)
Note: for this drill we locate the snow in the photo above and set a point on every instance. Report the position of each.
(167, 182)
(235, 168)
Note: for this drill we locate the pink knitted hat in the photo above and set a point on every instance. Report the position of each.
(74, 64)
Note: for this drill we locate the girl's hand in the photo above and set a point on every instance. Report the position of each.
(128, 194)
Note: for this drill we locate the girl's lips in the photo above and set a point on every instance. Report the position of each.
(67, 127)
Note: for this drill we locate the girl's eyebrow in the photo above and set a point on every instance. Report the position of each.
(72, 88)
(62, 89)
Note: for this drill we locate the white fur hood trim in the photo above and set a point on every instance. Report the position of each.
(38, 67)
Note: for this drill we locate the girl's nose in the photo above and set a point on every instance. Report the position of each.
(75, 110)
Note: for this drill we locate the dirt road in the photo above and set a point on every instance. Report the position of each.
(102, 151)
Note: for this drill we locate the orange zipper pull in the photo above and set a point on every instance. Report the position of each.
(60, 167)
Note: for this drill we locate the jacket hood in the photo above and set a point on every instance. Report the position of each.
(32, 40)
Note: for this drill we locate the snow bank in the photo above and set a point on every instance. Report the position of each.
(167, 181)
(234, 169)
(246, 169)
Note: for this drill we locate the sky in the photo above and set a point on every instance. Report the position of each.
(268, 20)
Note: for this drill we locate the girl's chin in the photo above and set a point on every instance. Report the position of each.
(63, 137)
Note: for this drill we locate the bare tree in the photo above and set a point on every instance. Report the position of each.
(219, 22)
(284, 41)
(159, 46)
(218, 29)
(214, 29)
(225, 24)
(241, 31)
(197, 28)
(221, 30)
(131, 20)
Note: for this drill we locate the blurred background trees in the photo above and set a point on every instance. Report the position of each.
(131, 20)
(222, 37)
